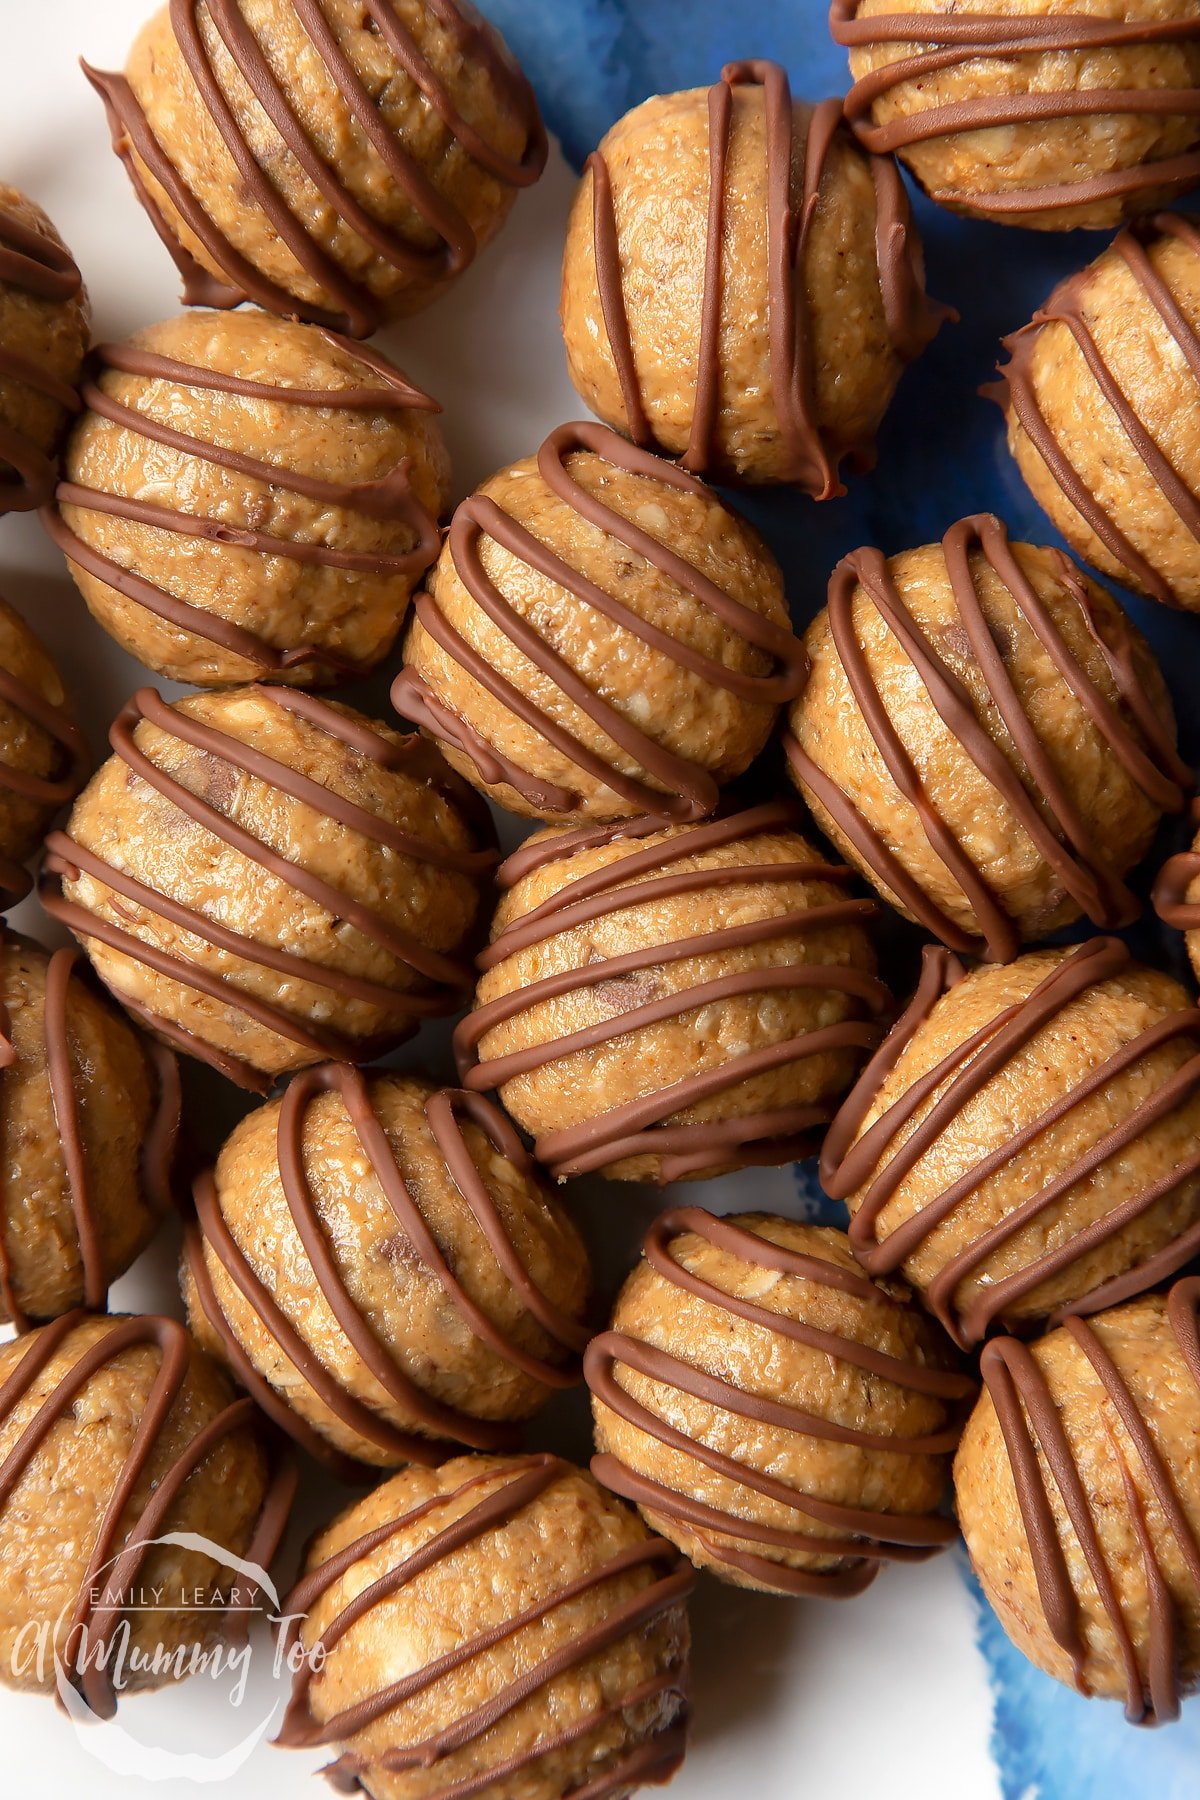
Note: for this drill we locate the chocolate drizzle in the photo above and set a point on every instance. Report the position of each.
(112, 1571)
(912, 320)
(523, 1483)
(949, 41)
(1040, 1452)
(643, 1126)
(674, 787)
(443, 979)
(354, 307)
(862, 1538)
(49, 791)
(1025, 779)
(1170, 894)
(1016, 392)
(390, 498)
(32, 262)
(443, 1110)
(850, 1163)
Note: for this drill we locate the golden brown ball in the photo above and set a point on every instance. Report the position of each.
(43, 753)
(44, 323)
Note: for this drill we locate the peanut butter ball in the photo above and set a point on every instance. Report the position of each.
(92, 1411)
(1101, 394)
(663, 1002)
(1078, 1490)
(742, 284)
(783, 1420)
(381, 1266)
(340, 161)
(495, 1627)
(601, 636)
(1025, 1141)
(44, 323)
(269, 880)
(1046, 113)
(247, 497)
(1177, 893)
(43, 753)
(985, 736)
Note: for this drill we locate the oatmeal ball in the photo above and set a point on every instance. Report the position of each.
(670, 1001)
(43, 753)
(340, 161)
(269, 880)
(1025, 1140)
(601, 636)
(381, 1266)
(1101, 394)
(44, 322)
(1078, 1491)
(495, 1626)
(1177, 893)
(88, 1115)
(783, 1420)
(1046, 113)
(756, 325)
(986, 737)
(248, 496)
(90, 1408)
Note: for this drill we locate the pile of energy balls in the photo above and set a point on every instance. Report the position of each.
(674, 976)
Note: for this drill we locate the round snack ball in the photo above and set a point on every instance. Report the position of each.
(43, 753)
(754, 324)
(383, 1269)
(88, 1114)
(1102, 396)
(1052, 114)
(783, 1420)
(601, 636)
(1025, 1140)
(662, 1002)
(94, 1408)
(1078, 1492)
(268, 879)
(494, 1627)
(1177, 892)
(248, 496)
(337, 162)
(44, 321)
(986, 736)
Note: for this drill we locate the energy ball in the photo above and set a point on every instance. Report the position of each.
(94, 1412)
(44, 324)
(601, 637)
(1053, 114)
(383, 1269)
(783, 1420)
(333, 161)
(1025, 1141)
(1102, 395)
(1177, 892)
(269, 880)
(742, 285)
(43, 753)
(493, 1627)
(664, 1002)
(986, 737)
(1078, 1490)
(249, 497)
(88, 1115)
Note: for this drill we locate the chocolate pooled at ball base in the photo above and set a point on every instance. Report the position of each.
(44, 324)
(43, 753)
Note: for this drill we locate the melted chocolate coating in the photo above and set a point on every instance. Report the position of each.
(112, 1571)
(356, 309)
(674, 788)
(444, 978)
(643, 1127)
(949, 40)
(912, 320)
(848, 1165)
(653, 1761)
(866, 1538)
(1016, 392)
(390, 497)
(37, 265)
(44, 790)
(1169, 897)
(1044, 809)
(1040, 1451)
